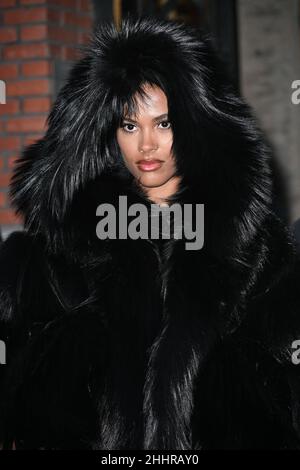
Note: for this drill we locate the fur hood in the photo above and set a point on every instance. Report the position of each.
(234, 287)
(218, 147)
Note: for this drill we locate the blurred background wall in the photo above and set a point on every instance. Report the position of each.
(258, 41)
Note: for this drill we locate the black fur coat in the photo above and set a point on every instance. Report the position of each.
(142, 344)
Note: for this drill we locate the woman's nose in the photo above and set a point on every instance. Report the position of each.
(148, 143)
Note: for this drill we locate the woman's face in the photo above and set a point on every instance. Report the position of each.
(145, 141)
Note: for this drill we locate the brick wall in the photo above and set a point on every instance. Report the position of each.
(39, 40)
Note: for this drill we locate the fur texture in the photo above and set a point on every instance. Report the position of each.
(141, 344)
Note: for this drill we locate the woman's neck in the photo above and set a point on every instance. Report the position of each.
(158, 194)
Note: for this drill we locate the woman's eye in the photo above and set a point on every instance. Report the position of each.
(128, 127)
(167, 126)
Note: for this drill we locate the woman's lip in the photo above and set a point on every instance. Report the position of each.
(149, 165)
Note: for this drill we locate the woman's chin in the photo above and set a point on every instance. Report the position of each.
(151, 181)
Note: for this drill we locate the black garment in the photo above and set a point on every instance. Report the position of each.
(81, 353)
(30, 412)
(116, 343)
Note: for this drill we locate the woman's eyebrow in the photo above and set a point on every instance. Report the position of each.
(157, 118)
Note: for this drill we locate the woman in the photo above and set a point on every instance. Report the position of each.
(137, 342)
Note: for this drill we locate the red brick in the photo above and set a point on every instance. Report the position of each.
(7, 216)
(54, 16)
(25, 15)
(62, 34)
(84, 5)
(70, 18)
(56, 51)
(70, 53)
(30, 139)
(35, 68)
(36, 105)
(10, 143)
(4, 179)
(31, 87)
(84, 37)
(32, 2)
(11, 107)
(11, 161)
(7, 3)
(3, 199)
(8, 71)
(27, 124)
(34, 32)
(8, 35)
(25, 51)
(64, 3)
